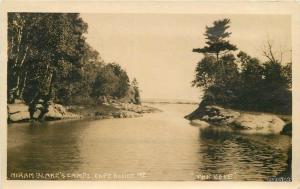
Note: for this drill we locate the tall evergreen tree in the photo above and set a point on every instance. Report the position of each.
(217, 72)
(216, 37)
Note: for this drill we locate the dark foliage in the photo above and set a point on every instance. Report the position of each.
(49, 60)
(241, 81)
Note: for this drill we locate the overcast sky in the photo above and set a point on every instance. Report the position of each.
(157, 48)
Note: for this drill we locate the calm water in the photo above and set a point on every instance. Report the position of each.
(159, 146)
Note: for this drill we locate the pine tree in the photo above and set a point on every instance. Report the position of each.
(216, 36)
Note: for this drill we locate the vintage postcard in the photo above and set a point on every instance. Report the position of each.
(150, 91)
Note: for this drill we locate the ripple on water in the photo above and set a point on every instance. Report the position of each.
(250, 157)
(164, 145)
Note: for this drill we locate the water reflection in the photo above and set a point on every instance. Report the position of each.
(43, 148)
(246, 157)
(163, 145)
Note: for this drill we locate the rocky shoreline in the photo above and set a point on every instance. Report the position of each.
(19, 111)
(247, 122)
(115, 109)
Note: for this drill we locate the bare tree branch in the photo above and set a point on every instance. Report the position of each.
(268, 53)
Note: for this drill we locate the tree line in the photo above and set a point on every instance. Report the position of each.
(50, 60)
(237, 80)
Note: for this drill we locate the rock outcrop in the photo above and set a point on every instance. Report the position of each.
(117, 114)
(124, 110)
(139, 109)
(19, 112)
(219, 116)
(260, 123)
(244, 121)
(57, 112)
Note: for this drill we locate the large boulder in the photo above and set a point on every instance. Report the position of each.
(215, 115)
(17, 107)
(18, 112)
(57, 112)
(19, 117)
(259, 123)
(37, 114)
(247, 122)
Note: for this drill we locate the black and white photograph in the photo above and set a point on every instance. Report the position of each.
(197, 97)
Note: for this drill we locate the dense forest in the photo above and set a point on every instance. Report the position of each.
(50, 60)
(237, 80)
